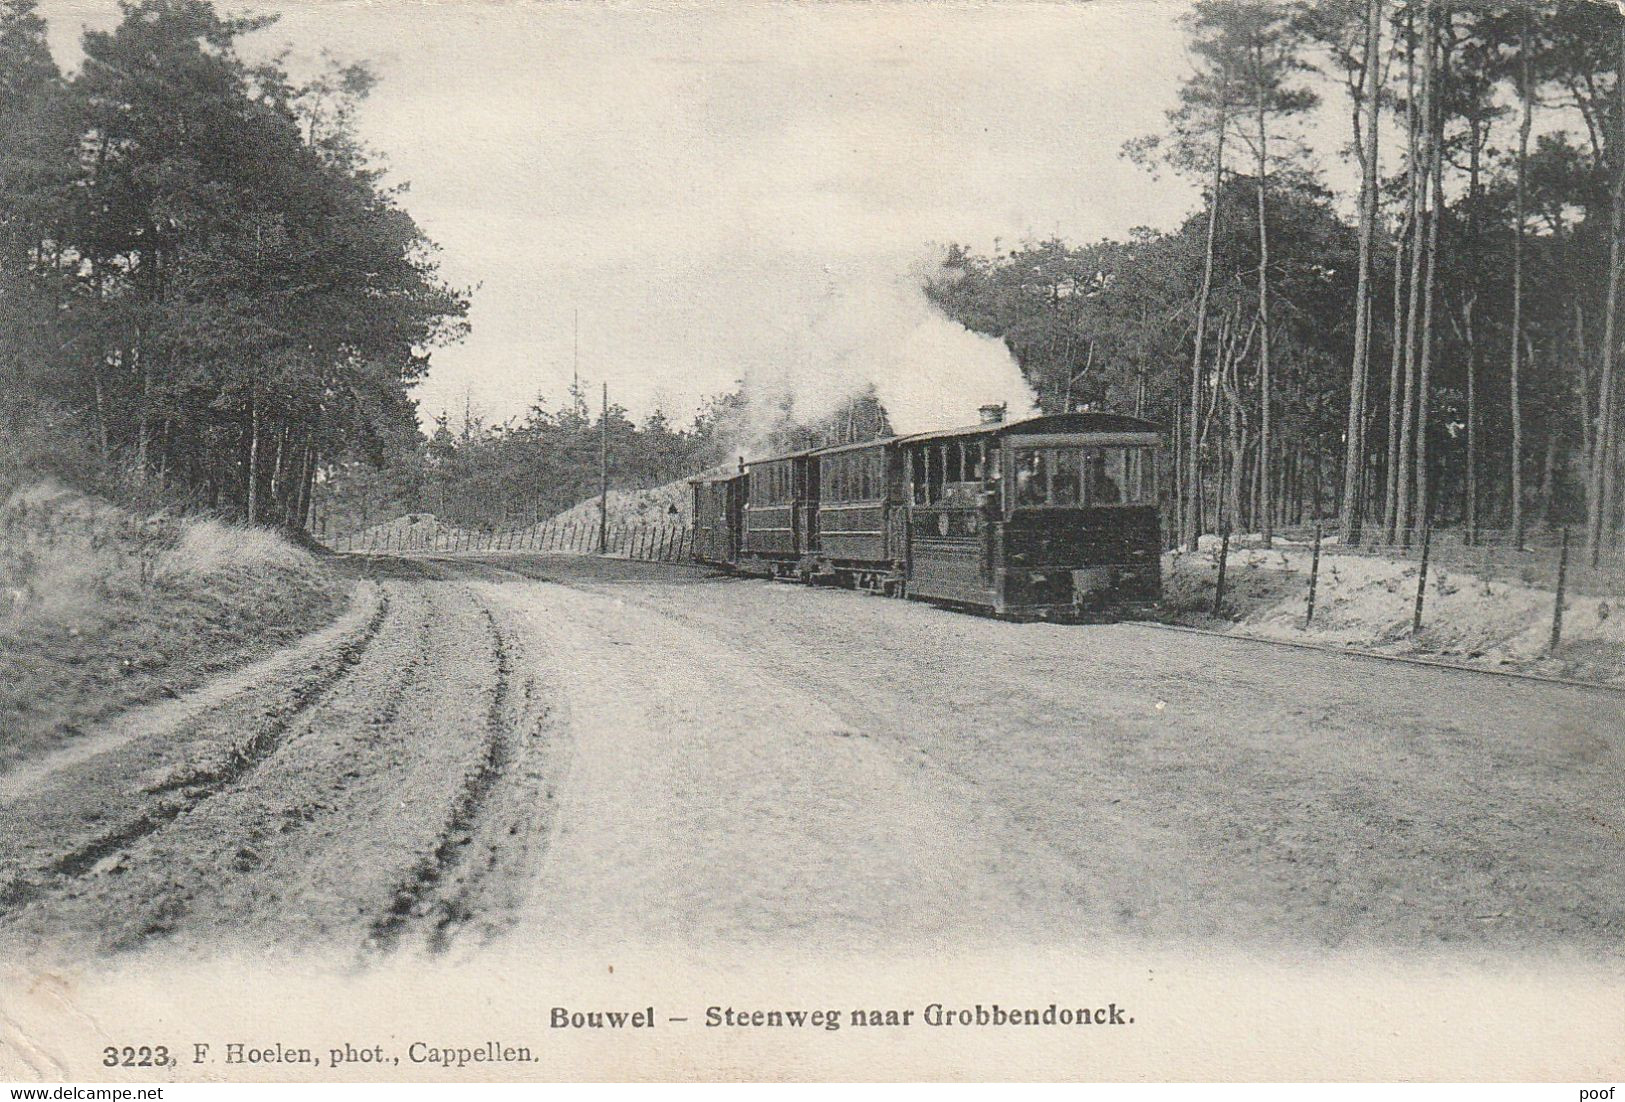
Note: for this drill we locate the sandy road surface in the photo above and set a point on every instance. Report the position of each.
(561, 750)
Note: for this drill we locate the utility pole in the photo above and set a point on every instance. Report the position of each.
(603, 476)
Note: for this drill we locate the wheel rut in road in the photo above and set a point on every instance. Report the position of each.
(184, 791)
(366, 806)
(423, 899)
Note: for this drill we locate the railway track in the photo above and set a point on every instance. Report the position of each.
(1407, 660)
(1349, 652)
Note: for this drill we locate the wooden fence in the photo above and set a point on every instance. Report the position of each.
(1494, 553)
(642, 542)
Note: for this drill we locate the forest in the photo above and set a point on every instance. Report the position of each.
(1436, 345)
(208, 297)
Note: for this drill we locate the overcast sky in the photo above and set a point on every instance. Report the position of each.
(698, 179)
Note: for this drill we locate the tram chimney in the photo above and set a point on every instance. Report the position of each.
(992, 413)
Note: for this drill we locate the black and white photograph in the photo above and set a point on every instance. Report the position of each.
(771, 541)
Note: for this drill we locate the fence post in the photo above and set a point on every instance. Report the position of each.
(1224, 556)
(1562, 580)
(1314, 575)
(1422, 578)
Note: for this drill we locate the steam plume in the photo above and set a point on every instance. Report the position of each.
(875, 329)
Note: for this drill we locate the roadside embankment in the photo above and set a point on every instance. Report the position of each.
(101, 608)
(1368, 601)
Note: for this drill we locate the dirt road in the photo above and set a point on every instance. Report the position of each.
(561, 750)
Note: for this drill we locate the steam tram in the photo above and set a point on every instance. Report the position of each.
(1041, 518)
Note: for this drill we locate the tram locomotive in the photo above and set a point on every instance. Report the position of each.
(1044, 518)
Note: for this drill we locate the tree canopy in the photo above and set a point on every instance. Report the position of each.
(201, 263)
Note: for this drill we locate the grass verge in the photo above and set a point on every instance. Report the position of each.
(102, 608)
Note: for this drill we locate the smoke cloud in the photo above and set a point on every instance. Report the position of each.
(873, 329)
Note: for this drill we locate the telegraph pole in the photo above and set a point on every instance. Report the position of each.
(603, 476)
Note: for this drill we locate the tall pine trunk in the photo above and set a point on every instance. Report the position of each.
(1266, 530)
(1599, 486)
(1396, 363)
(253, 454)
(1354, 441)
(1410, 250)
(1193, 458)
(1419, 174)
(1471, 509)
(1423, 377)
(1517, 280)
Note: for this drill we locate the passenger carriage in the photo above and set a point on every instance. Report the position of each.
(779, 521)
(719, 503)
(862, 517)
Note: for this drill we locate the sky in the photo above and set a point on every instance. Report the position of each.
(699, 183)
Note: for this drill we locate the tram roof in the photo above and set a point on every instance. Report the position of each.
(1052, 424)
(1043, 425)
(721, 476)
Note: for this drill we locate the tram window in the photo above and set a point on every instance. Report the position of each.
(1066, 477)
(1031, 477)
(1105, 475)
(1118, 476)
(933, 471)
(1134, 475)
(867, 476)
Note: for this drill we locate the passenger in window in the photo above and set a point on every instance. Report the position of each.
(1065, 484)
(1030, 479)
(1103, 489)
